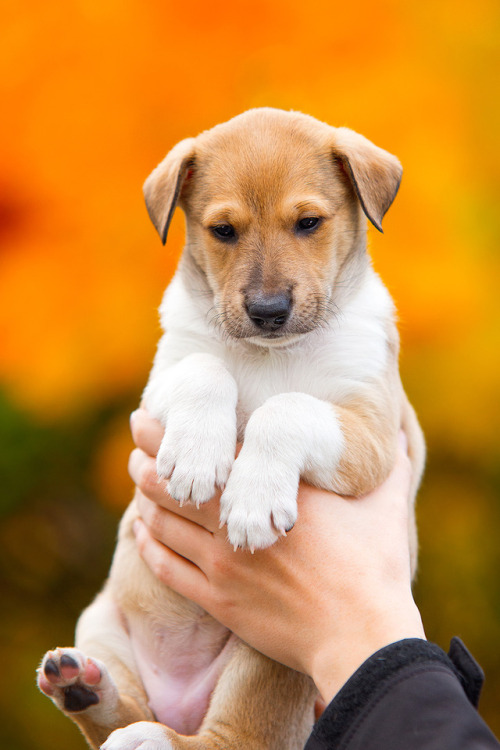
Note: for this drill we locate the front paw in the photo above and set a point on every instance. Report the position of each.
(260, 501)
(196, 455)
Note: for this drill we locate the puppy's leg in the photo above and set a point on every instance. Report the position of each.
(257, 705)
(346, 450)
(196, 401)
(95, 684)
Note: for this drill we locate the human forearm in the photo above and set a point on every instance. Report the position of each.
(334, 663)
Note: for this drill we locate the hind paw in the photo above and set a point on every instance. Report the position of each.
(74, 681)
(143, 735)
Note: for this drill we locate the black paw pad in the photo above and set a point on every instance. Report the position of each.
(78, 698)
(51, 669)
(68, 661)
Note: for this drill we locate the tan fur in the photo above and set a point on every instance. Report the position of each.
(261, 173)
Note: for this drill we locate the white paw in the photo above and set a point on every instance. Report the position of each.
(197, 452)
(259, 502)
(196, 401)
(145, 735)
(75, 682)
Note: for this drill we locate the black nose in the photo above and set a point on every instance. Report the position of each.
(269, 312)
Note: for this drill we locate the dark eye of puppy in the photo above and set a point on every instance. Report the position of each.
(224, 232)
(308, 224)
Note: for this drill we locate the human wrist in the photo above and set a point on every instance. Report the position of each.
(337, 658)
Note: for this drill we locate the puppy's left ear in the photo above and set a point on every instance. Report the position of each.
(163, 186)
(375, 174)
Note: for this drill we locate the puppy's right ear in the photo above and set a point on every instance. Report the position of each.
(163, 186)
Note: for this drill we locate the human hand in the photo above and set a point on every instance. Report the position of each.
(321, 600)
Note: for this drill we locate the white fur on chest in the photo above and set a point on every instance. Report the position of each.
(333, 364)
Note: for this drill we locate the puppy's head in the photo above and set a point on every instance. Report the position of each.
(274, 203)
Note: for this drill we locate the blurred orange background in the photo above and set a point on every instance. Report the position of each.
(93, 95)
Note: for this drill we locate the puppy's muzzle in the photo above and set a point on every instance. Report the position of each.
(269, 312)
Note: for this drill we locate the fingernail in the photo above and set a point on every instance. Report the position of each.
(136, 526)
(403, 440)
(134, 463)
(133, 417)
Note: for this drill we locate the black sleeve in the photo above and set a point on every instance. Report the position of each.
(408, 696)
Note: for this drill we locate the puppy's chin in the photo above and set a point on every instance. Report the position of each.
(278, 339)
(275, 341)
(291, 333)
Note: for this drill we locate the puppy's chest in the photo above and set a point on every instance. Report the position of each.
(268, 374)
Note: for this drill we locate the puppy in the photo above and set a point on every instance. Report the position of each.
(278, 333)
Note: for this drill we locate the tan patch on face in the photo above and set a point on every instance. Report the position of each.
(261, 177)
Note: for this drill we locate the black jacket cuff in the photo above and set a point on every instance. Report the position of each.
(375, 676)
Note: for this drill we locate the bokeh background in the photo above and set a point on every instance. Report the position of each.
(93, 94)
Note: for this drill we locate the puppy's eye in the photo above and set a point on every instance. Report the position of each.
(308, 224)
(224, 232)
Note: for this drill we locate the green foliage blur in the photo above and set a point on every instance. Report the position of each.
(56, 542)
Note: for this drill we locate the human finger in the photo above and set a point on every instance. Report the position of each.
(403, 441)
(395, 490)
(399, 480)
(142, 469)
(146, 431)
(183, 536)
(170, 568)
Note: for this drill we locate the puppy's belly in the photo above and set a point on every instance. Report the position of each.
(180, 667)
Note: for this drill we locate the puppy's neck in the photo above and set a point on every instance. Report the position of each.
(195, 279)
(351, 273)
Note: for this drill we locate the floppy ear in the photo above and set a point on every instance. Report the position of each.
(163, 186)
(375, 174)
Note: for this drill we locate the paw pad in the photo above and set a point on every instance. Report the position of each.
(79, 697)
(70, 679)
